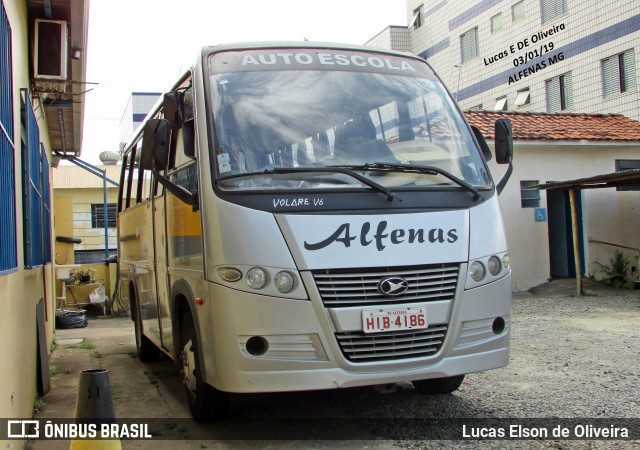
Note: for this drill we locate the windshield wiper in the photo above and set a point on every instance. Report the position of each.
(343, 170)
(411, 168)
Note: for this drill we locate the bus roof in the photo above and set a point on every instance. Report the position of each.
(266, 45)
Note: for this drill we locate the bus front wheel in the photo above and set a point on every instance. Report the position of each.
(436, 386)
(205, 402)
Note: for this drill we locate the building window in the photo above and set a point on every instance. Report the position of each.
(552, 9)
(416, 22)
(529, 195)
(476, 108)
(97, 215)
(496, 22)
(523, 97)
(501, 104)
(469, 45)
(8, 249)
(619, 73)
(559, 93)
(517, 11)
(91, 256)
(627, 164)
(36, 208)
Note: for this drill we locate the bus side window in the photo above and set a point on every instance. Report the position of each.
(123, 187)
(180, 156)
(143, 180)
(129, 190)
(184, 173)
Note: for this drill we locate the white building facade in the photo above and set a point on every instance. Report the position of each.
(139, 104)
(531, 55)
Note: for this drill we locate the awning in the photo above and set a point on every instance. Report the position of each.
(616, 179)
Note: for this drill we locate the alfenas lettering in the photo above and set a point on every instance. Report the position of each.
(383, 237)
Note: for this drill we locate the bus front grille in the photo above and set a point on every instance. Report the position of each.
(360, 347)
(340, 288)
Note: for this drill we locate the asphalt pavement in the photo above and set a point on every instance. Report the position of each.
(153, 390)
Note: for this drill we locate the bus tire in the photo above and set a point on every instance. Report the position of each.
(147, 350)
(436, 386)
(205, 402)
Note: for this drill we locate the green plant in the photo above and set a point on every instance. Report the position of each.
(38, 404)
(151, 377)
(84, 275)
(114, 393)
(617, 271)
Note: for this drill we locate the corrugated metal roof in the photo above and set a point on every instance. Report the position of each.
(74, 177)
(617, 179)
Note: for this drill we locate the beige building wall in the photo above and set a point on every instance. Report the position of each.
(608, 215)
(92, 238)
(22, 289)
(85, 189)
(75, 190)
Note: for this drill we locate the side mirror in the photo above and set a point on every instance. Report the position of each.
(156, 139)
(173, 107)
(503, 141)
(486, 151)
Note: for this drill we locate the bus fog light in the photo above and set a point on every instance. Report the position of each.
(283, 282)
(229, 274)
(256, 278)
(257, 346)
(498, 325)
(477, 271)
(494, 265)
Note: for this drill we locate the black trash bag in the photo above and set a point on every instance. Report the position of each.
(70, 318)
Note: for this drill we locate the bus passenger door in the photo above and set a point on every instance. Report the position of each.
(162, 275)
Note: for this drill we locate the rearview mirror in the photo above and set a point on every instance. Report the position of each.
(503, 141)
(155, 144)
(173, 107)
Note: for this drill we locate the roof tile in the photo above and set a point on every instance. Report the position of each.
(563, 126)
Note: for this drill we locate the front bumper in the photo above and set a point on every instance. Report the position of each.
(303, 353)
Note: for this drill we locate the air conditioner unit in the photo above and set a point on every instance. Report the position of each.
(50, 49)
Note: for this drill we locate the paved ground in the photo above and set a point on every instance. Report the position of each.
(153, 390)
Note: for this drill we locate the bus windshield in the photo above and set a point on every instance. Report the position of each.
(269, 116)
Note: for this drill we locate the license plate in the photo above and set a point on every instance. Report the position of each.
(394, 319)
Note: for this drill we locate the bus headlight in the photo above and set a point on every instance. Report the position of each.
(283, 282)
(477, 271)
(494, 265)
(487, 270)
(256, 278)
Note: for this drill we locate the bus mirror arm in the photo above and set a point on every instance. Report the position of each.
(505, 178)
(190, 198)
(504, 149)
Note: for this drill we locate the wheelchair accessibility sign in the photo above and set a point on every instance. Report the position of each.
(540, 214)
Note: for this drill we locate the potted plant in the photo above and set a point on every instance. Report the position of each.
(83, 276)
